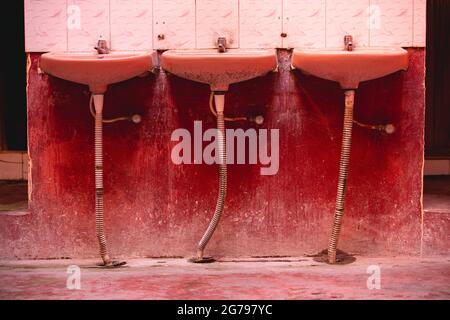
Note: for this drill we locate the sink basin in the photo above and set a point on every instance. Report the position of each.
(349, 68)
(219, 70)
(96, 71)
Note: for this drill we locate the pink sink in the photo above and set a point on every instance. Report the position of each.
(219, 70)
(96, 71)
(349, 68)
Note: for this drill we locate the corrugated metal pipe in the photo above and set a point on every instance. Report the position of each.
(343, 173)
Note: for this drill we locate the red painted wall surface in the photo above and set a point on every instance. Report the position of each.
(155, 208)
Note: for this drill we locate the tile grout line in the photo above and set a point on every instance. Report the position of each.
(153, 25)
(195, 23)
(369, 25)
(283, 45)
(66, 26)
(109, 24)
(325, 24)
(413, 23)
(239, 24)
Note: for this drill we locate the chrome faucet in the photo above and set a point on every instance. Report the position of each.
(222, 44)
(102, 46)
(348, 43)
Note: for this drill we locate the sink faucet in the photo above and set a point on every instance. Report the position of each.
(348, 42)
(102, 46)
(222, 44)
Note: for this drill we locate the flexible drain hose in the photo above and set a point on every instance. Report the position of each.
(343, 173)
(258, 119)
(136, 118)
(99, 226)
(222, 185)
(214, 112)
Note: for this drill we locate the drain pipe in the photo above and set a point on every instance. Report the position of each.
(136, 118)
(98, 100)
(258, 119)
(99, 226)
(219, 98)
(384, 128)
(343, 173)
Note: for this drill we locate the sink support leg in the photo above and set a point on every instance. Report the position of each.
(219, 98)
(99, 225)
(343, 173)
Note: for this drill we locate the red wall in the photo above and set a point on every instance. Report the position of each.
(155, 208)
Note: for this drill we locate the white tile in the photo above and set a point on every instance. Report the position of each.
(10, 166)
(87, 21)
(391, 22)
(420, 26)
(45, 25)
(173, 24)
(260, 23)
(347, 17)
(75, 25)
(217, 18)
(131, 24)
(304, 23)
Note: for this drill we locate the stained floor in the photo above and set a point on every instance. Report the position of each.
(262, 278)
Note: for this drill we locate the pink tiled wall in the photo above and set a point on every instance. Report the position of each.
(94, 22)
(259, 23)
(173, 24)
(304, 23)
(217, 18)
(343, 18)
(395, 25)
(419, 25)
(75, 25)
(45, 25)
(131, 24)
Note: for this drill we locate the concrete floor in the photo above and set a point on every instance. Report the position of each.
(265, 278)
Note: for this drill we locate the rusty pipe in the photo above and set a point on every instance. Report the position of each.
(99, 224)
(220, 100)
(343, 173)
